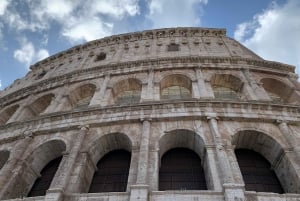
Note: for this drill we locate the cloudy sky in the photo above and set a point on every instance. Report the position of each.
(31, 30)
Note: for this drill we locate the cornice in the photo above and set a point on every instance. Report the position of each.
(194, 110)
(135, 36)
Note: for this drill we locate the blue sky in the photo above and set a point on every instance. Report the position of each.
(31, 30)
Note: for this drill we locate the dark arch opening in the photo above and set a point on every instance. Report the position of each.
(112, 173)
(4, 155)
(257, 173)
(175, 87)
(127, 91)
(181, 170)
(42, 184)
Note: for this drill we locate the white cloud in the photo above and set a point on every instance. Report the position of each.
(27, 53)
(77, 20)
(97, 19)
(87, 30)
(42, 54)
(53, 9)
(116, 9)
(3, 6)
(275, 33)
(167, 13)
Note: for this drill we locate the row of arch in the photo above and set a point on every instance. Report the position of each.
(175, 86)
(183, 163)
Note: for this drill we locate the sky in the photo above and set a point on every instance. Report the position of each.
(31, 30)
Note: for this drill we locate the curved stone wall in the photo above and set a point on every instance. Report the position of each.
(149, 92)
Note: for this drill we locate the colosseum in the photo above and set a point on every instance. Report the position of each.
(174, 114)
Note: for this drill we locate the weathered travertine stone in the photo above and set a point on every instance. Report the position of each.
(147, 93)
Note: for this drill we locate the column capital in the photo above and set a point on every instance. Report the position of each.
(212, 116)
(107, 74)
(145, 119)
(28, 134)
(84, 127)
(280, 121)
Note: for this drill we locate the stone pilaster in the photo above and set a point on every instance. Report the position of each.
(63, 174)
(17, 114)
(210, 166)
(142, 173)
(232, 191)
(154, 168)
(156, 91)
(139, 192)
(147, 88)
(53, 105)
(258, 90)
(9, 173)
(64, 102)
(100, 92)
(287, 133)
(248, 90)
(224, 164)
(106, 97)
(204, 93)
(195, 90)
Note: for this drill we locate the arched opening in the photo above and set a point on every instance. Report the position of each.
(181, 169)
(127, 91)
(109, 146)
(42, 184)
(45, 160)
(112, 173)
(38, 106)
(175, 87)
(226, 87)
(6, 114)
(81, 97)
(274, 153)
(257, 173)
(278, 91)
(4, 155)
(186, 144)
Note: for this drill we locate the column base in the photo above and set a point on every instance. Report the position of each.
(234, 192)
(139, 192)
(54, 195)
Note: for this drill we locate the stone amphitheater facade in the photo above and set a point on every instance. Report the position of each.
(147, 95)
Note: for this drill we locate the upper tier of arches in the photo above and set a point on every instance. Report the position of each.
(139, 88)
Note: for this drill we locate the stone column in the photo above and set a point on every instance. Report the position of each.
(285, 130)
(53, 105)
(22, 111)
(258, 90)
(17, 114)
(85, 168)
(195, 90)
(224, 164)
(140, 190)
(232, 191)
(63, 174)
(147, 90)
(144, 153)
(107, 97)
(210, 166)
(144, 92)
(63, 103)
(248, 90)
(9, 174)
(204, 93)
(237, 175)
(100, 92)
